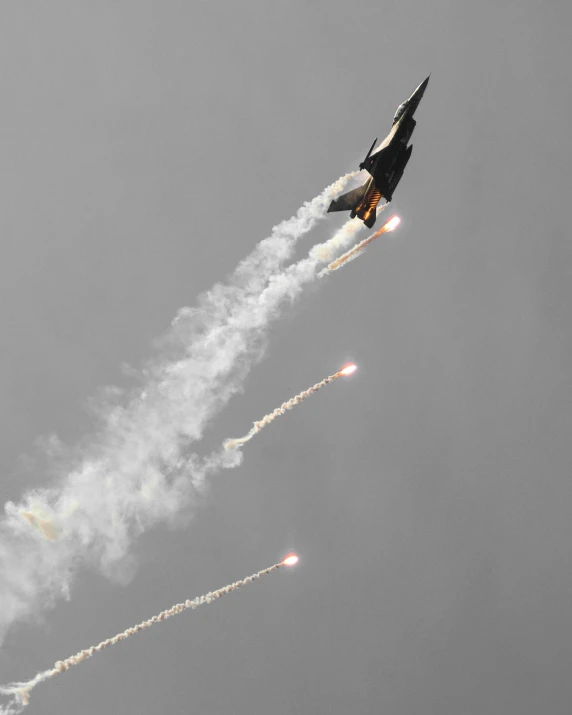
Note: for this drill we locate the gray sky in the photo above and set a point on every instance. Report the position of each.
(146, 147)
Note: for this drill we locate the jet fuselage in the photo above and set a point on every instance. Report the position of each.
(386, 164)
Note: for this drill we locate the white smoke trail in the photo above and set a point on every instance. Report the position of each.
(137, 471)
(19, 693)
(292, 402)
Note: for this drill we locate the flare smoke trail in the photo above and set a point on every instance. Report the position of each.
(137, 470)
(354, 252)
(292, 402)
(19, 693)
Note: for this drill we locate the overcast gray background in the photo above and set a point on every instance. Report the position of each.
(145, 148)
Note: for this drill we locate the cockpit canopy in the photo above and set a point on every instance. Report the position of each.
(402, 107)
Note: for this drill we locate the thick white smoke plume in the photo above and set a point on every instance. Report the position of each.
(137, 470)
(19, 693)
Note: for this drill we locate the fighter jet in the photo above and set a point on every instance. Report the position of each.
(386, 164)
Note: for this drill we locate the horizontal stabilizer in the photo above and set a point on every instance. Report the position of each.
(349, 201)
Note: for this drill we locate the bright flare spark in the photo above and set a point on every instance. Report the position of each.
(290, 560)
(292, 402)
(348, 370)
(354, 252)
(393, 223)
(20, 692)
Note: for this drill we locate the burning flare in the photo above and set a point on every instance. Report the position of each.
(20, 692)
(388, 226)
(348, 370)
(290, 560)
(392, 224)
(292, 402)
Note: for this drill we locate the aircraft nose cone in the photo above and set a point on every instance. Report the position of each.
(422, 87)
(419, 92)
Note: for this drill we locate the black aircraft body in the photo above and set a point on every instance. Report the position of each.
(386, 164)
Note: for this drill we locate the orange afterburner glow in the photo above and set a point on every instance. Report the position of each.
(290, 560)
(392, 224)
(348, 370)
